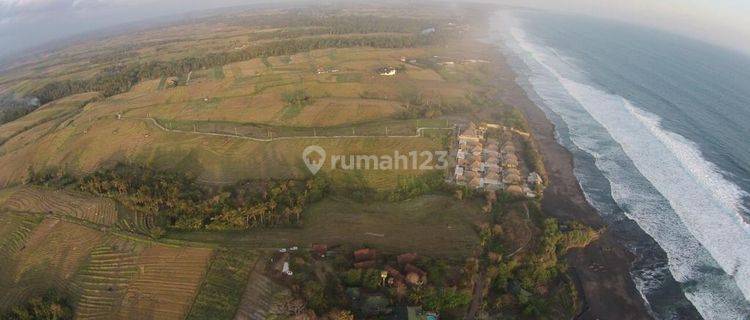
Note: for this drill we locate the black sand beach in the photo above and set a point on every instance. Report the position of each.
(602, 269)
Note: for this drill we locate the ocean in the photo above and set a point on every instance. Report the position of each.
(659, 127)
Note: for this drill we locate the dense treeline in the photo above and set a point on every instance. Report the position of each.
(13, 107)
(121, 78)
(49, 306)
(188, 205)
(335, 24)
(181, 203)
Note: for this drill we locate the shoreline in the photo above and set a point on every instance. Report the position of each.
(601, 271)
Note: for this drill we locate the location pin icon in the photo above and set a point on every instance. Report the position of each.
(314, 158)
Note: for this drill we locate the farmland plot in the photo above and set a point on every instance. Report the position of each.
(166, 283)
(52, 253)
(85, 207)
(101, 284)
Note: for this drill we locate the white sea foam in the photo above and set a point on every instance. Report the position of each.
(698, 225)
(704, 172)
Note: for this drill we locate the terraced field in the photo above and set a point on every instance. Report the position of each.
(260, 294)
(136, 222)
(97, 210)
(49, 258)
(166, 283)
(101, 284)
(224, 285)
(14, 229)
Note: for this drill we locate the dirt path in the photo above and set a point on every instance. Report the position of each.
(478, 295)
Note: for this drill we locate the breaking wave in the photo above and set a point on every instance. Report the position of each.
(659, 178)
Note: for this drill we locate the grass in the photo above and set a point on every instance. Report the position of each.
(266, 62)
(167, 282)
(78, 205)
(434, 225)
(217, 73)
(261, 131)
(348, 77)
(250, 103)
(102, 282)
(162, 83)
(292, 110)
(221, 292)
(52, 253)
(260, 294)
(14, 229)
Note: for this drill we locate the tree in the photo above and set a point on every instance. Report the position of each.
(353, 277)
(315, 295)
(339, 315)
(446, 299)
(371, 279)
(51, 306)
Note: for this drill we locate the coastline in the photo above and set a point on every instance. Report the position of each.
(601, 270)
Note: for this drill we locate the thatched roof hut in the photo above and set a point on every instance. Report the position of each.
(475, 183)
(513, 171)
(514, 189)
(492, 176)
(476, 166)
(365, 254)
(511, 179)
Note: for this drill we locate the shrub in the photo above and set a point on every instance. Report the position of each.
(353, 278)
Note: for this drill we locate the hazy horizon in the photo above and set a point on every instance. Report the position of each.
(25, 24)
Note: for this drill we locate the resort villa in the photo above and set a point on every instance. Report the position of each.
(485, 163)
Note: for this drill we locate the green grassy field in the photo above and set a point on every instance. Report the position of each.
(438, 225)
(222, 289)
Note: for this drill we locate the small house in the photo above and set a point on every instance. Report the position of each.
(492, 160)
(414, 275)
(477, 166)
(470, 134)
(476, 183)
(534, 179)
(491, 153)
(461, 154)
(510, 161)
(407, 258)
(459, 173)
(477, 150)
(387, 71)
(365, 254)
(320, 250)
(492, 169)
(515, 190)
(529, 193)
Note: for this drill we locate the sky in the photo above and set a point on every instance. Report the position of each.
(29, 23)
